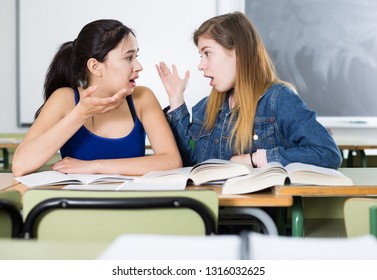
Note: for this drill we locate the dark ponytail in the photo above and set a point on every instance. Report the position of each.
(68, 67)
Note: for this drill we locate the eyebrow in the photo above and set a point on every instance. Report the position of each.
(131, 51)
(203, 48)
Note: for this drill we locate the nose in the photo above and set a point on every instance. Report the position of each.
(137, 67)
(201, 65)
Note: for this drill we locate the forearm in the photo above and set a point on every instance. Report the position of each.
(321, 156)
(136, 166)
(36, 150)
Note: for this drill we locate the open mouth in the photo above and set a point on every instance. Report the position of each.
(211, 80)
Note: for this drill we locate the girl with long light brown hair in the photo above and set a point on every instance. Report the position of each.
(250, 115)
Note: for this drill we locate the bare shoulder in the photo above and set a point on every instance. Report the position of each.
(62, 99)
(141, 92)
(62, 93)
(143, 96)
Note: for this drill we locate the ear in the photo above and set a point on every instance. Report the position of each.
(95, 67)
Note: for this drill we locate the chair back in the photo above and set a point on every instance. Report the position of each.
(99, 215)
(357, 216)
(10, 215)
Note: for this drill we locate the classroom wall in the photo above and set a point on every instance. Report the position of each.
(8, 77)
(8, 109)
(8, 94)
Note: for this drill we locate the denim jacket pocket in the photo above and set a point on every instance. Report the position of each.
(198, 131)
(264, 134)
(201, 138)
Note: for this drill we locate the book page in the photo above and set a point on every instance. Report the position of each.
(95, 187)
(218, 169)
(301, 173)
(52, 177)
(174, 185)
(45, 178)
(163, 176)
(271, 174)
(100, 178)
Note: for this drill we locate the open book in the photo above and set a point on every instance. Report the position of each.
(46, 178)
(275, 174)
(212, 171)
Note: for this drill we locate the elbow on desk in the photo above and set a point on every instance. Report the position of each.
(333, 160)
(20, 168)
(17, 171)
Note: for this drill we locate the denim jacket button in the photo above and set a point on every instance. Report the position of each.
(255, 137)
(216, 141)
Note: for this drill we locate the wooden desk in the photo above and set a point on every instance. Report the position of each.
(261, 199)
(5, 144)
(365, 184)
(357, 145)
(239, 204)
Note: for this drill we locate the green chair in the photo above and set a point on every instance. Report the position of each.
(102, 216)
(10, 215)
(360, 216)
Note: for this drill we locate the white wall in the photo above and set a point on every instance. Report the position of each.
(8, 77)
(8, 96)
(162, 34)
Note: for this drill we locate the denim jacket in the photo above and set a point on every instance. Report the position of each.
(283, 126)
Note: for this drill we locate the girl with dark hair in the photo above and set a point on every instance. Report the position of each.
(94, 113)
(251, 115)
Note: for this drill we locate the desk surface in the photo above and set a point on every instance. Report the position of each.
(365, 183)
(357, 146)
(364, 179)
(261, 199)
(9, 142)
(356, 142)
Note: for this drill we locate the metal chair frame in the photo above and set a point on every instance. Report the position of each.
(44, 207)
(15, 216)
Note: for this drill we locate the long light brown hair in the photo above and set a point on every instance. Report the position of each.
(254, 73)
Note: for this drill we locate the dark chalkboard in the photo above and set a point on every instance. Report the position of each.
(327, 49)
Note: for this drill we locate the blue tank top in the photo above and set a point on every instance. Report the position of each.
(85, 145)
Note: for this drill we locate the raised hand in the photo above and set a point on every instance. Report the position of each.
(93, 105)
(174, 85)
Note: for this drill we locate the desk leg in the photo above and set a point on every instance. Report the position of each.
(281, 219)
(363, 158)
(256, 213)
(373, 220)
(5, 158)
(297, 217)
(350, 159)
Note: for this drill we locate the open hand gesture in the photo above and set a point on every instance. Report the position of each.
(174, 85)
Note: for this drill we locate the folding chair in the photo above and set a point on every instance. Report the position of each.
(360, 216)
(10, 215)
(99, 215)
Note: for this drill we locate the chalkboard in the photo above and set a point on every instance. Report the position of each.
(163, 29)
(327, 49)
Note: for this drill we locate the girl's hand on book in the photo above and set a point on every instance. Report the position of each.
(245, 158)
(71, 165)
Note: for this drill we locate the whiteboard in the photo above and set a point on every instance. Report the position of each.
(327, 49)
(163, 29)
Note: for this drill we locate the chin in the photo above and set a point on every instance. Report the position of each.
(222, 89)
